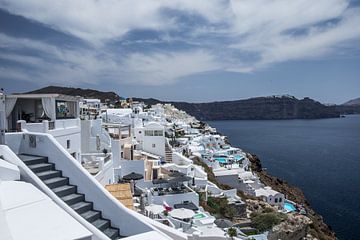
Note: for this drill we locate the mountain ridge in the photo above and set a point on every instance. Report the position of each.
(257, 108)
(86, 93)
(352, 102)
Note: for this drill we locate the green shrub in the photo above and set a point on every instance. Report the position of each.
(265, 221)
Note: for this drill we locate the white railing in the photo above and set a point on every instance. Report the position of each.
(46, 126)
(67, 123)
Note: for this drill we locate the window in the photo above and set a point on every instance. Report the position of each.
(280, 199)
(158, 133)
(276, 200)
(149, 133)
(67, 144)
(65, 109)
(153, 145)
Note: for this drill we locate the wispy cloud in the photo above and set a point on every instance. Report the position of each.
(86, 66)
(201, 36)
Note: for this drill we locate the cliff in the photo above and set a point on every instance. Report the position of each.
(262, 108)
(318, 228)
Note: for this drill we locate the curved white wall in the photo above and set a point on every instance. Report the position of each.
(126, 220)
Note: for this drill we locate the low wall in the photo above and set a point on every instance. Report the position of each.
(111, 208)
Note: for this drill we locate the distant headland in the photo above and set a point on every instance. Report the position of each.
(258, 108)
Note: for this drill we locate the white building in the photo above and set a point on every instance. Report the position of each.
(55, 114)
(271, 196)
(151, 138)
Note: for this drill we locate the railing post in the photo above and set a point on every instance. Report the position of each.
(46, 126)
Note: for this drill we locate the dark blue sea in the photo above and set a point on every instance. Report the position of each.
(322, 157)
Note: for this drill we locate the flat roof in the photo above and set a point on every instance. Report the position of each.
(265, 192)
(24, 208)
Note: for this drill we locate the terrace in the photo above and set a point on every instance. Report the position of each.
(41, 112)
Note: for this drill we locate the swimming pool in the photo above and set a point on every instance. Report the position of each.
(238, 157)
(289, 207)
(221, 159)
(199, 215)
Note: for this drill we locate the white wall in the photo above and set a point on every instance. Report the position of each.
(106, 175)
(68, 129)
(8, 171)
(111, 208)
(180, 159)
(151, 144)
(129, 166)
(172, 199)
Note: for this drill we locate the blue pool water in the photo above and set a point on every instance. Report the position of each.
(289, 206)
(238, 157)
(221, 160)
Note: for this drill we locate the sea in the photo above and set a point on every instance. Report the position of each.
(322, 157)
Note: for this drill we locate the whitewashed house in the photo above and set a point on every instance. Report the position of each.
(151, 138)
(55, 114)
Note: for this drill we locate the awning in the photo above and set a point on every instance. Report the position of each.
(180, 179)
(155, 209)
(223, 223)
(133, 176)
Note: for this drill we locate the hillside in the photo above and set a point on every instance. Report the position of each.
(274, 107)
(350, 107)
(86, 93)
(352, 102)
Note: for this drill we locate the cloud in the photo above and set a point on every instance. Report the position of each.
(216, 35)
(166, 68)
(54, 65)
(98, 21)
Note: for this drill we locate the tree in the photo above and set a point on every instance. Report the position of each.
(232, 232)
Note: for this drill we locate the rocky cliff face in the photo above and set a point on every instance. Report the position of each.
(284, 107)
(318, 227)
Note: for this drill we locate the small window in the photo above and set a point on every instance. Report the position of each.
(139, 132)
(276, 200)
(153, 145)
(68, 144)
(149, 133)
(280, 199)
(158, 133)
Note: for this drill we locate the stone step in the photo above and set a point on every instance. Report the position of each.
(41, 167)
(56, 182)
(73, 198)
(31, 159)
(101, 224)
(91, 215)
(82, 207)
(48, 174)
(64, 190)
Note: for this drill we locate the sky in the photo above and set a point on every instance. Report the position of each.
(195, 51)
